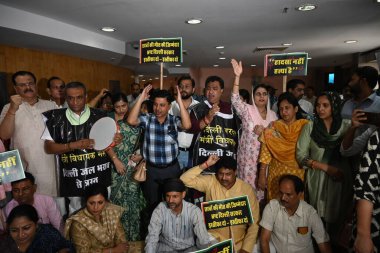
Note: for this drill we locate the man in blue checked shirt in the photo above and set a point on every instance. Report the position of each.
(160, 145)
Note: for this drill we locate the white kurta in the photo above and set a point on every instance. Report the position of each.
(29, 126)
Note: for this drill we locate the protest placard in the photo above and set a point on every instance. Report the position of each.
(292, 64)
(11, 168)
(226, 246)
(166, 50)
(227, 212)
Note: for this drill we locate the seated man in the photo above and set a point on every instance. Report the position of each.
(175, 223)
(225, 185)
(289, 222)
(24, 192)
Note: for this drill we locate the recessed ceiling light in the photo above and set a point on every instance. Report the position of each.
(253, 65)
(194, 21)
(165, 76)
(350, 41)
(219, 47)
(143, 80)
(108, 29)
(222, 58)
(178, 65)
(309, 58)
(306, 7)
(216, 65)
(141, 75)
(287, 44)
(156, 78)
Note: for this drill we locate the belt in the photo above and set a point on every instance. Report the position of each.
(184, 149)
(162, 166)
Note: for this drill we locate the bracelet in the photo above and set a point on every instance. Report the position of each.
(206, 165)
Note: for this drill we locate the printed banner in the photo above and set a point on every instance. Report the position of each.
(292, 64)
(226, 246)
(11, 168)
(161, 50)
(227, 212)
(82, 168)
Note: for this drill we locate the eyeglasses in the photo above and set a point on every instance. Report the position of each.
(23, 85)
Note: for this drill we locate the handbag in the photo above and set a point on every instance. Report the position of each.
(140, 172)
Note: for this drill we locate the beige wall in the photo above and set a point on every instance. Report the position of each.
(95, 75)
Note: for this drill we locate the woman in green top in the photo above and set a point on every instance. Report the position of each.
(328, 179)
(125, 191)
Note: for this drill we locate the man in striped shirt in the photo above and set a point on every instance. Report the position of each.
(176, 223)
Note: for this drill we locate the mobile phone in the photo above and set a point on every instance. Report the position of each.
(373, 118)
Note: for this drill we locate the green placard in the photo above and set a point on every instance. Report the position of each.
(227, 212)
(226, 246)
(11, 168)
(166, 50)
(292, 64)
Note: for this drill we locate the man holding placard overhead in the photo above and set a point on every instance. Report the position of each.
(225, 185)
(160, 145)
(67, 135)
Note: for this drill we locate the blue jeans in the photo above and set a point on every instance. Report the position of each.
(184, 160)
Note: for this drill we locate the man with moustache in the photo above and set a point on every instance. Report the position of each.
(160, 144)
(225, 185)
(186, 86)
(289, 222)
(176, 225)
(56, 90)
(21, 121)
(214, 123)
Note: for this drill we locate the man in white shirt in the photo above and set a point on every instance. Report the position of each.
(186, 86)
(290, 223)
(132, 98)
(21, 121)
(56, 90)
(297, 88)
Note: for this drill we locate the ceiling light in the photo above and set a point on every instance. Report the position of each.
(253, 65)
(143, 80)
(178, 65)
(306, 7)
(287, 44)
(194, 21)
(141, 75)
(156, 78)
(222, 58)
(350, 41)
(165, 76)
(216, 65)
(108, 29)
(309, 58)
(219, 47)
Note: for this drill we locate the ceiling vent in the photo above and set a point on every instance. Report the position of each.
(270, 49)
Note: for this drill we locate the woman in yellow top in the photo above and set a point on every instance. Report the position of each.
(278, 149)
(97, 227)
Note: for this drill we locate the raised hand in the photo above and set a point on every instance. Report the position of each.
(237, 66)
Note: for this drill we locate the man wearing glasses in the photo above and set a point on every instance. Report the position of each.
(56, 90)
(21, 121)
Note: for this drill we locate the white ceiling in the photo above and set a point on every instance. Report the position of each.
(73, 27)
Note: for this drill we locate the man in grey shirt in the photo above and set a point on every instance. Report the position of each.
(176, 223)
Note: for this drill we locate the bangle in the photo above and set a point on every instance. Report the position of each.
(206, 164)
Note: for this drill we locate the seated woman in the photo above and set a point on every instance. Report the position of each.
(97, 227)
(25, 235)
